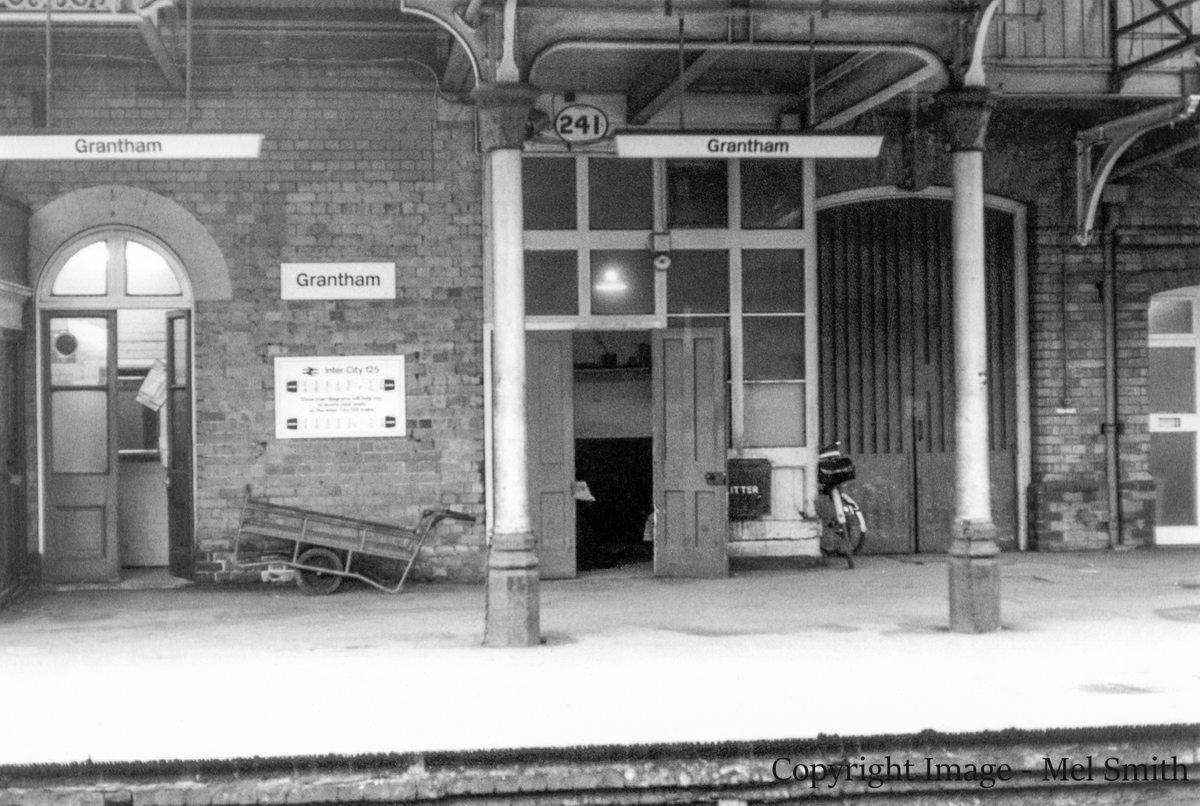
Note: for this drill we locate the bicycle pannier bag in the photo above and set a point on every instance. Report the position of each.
(834, 470)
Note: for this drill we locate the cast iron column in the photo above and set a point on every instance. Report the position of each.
(513, 607)
(974, 569)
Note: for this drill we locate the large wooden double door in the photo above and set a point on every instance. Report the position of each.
(887, 364)
(690, 443)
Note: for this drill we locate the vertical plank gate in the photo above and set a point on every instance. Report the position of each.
(887, 364)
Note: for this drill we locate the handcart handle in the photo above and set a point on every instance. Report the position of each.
(449, 513)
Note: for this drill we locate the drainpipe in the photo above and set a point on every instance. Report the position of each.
(1113, 196)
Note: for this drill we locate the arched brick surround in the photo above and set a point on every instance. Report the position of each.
(106, 205)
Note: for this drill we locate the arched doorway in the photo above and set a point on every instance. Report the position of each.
(1174, 342)
(114, 310)
(886, 343)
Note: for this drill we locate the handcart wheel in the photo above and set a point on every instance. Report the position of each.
(317, 583)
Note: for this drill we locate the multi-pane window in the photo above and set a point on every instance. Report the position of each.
(739, 251)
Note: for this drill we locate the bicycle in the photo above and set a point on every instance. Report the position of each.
(845, 528)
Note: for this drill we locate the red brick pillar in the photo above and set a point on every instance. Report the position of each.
(513, 603)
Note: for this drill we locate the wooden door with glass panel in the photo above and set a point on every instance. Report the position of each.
(1173, 415)
(102, 306)
(81, 448)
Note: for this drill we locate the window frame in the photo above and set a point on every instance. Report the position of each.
(117, 296)
(734, 241)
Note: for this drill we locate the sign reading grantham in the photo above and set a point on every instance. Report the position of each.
(732, 146)
(130, 146)
(339, 396)
(337, 280)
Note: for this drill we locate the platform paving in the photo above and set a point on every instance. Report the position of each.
(777, 651)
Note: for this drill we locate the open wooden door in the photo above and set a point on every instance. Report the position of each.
(690, 443)
(179, 444)
(81, 447)
(551, 440)
(12, 459)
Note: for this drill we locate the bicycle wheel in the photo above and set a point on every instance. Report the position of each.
(842, 541)
(317, 583)
(853, 538)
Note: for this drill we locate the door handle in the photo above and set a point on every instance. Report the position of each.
(918, 429)
(716, 479)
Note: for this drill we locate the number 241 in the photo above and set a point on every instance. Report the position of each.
(593, 125)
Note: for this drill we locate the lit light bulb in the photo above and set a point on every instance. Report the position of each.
(610, 281)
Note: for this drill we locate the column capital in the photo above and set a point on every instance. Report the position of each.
(962, 117)
(503, 109)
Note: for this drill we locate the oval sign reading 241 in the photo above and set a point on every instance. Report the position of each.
(581, 123)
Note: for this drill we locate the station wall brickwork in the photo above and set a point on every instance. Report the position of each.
(1030, 158)
(368, 162)
(359, 163)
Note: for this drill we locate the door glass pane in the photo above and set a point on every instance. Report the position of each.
(79, 430)
(773, 348)
(548, 193)
(774, 415)
(1173, 379)
(697, 194)
(698, 282)
(551, 283)
(147, 273)
(85, 273)
(1171, 316)
(141, 337)
(78, 351)
(622, 282)
(1173, 466)
(773, 280)
(772, 194)
(180, 376)
(620, 194)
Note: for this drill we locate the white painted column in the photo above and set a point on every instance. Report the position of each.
(973, 487)
(511, 485)
(513, 599)
(974, 570)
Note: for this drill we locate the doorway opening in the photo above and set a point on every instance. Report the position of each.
(115, 423)
(1173, 401)
(614, 449)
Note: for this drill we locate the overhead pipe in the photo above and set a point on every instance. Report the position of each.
(822, 7)
(49, 68)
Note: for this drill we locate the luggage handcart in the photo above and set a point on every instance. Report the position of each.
(325, 549)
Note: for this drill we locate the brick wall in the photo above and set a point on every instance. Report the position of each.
(1030, 159)
(359, 163)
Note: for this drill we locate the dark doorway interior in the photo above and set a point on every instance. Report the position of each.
(611, 531)
(614, 455)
